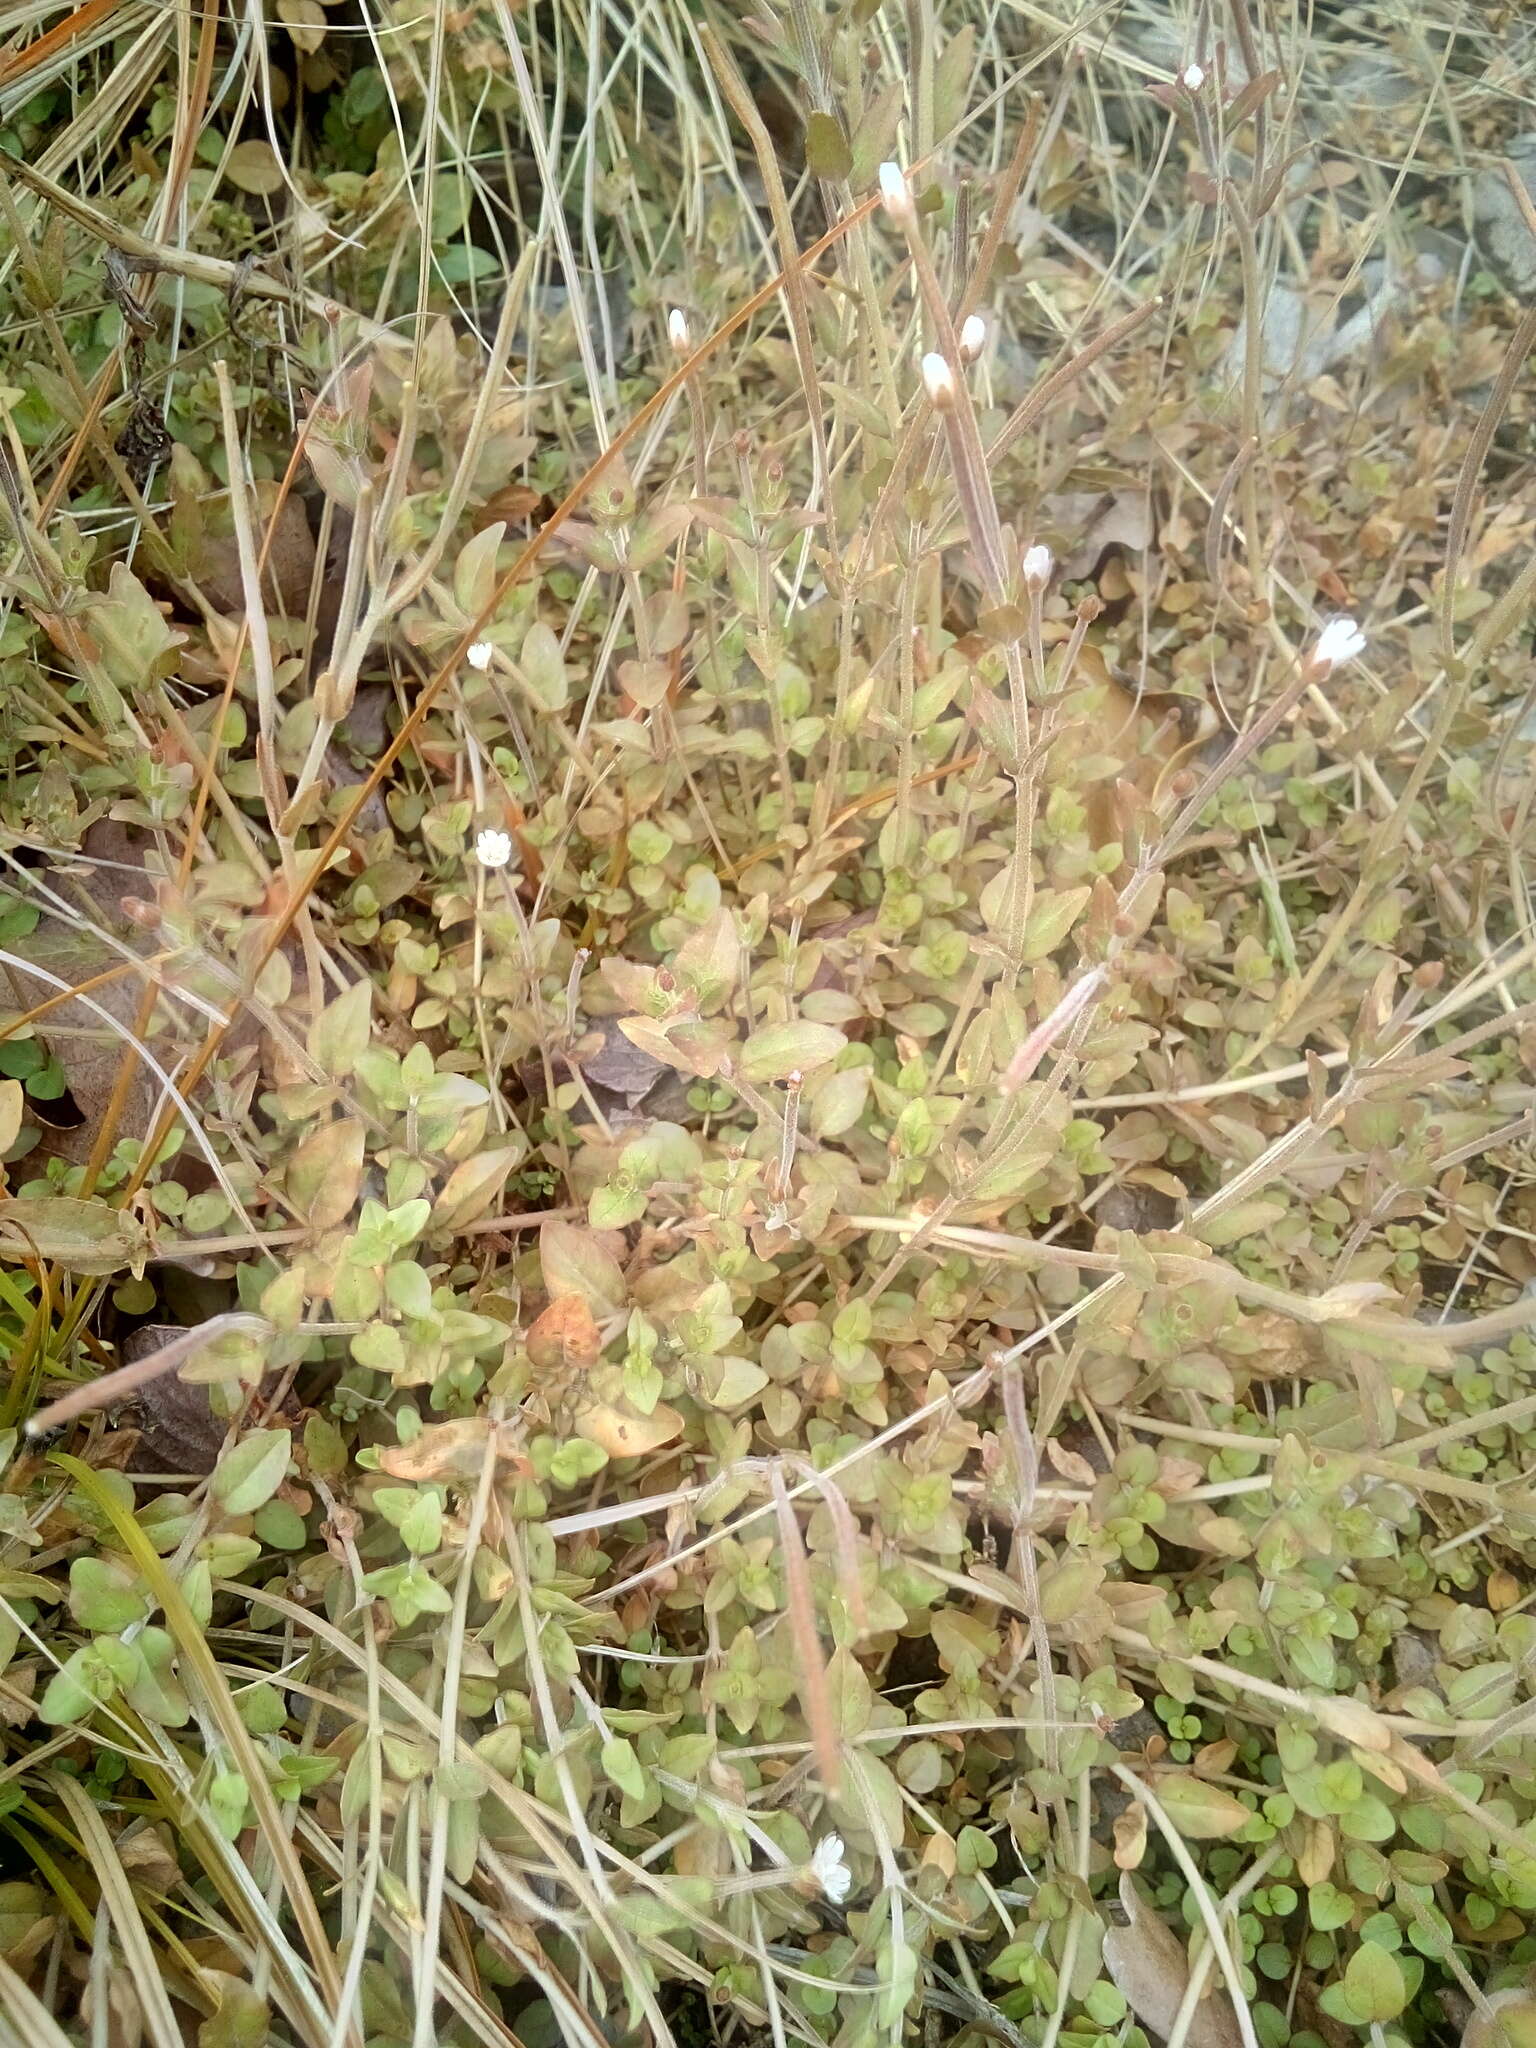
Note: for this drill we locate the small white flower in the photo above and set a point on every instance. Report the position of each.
(1194, 77)
(493, 849)
(973, 337)
(677, 331)
(829, 1869)
(480, 655)
(896, 194)
(1340, 640)
(1038, 564)
(938, 382)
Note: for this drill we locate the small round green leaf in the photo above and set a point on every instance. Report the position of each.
(1374, 1983)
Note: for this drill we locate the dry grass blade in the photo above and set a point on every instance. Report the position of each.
(127, 1923)
(26, 2021)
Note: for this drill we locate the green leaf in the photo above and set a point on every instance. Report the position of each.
(827, 154)
(325, 1449)
(473, 1186)
(850, 1696)
(576, 1461)
(685, 1756)
(543, 667)
(1374, 1983)
(411, 1592)
(709, 960)
(279, 1526)
(253, 1471)
(875, 135)
(1068, 1587)
(82, 1237)
(154, 1690)
(897, 1970)
(1328, 1907)
(779, 1050)
(409, 1289)
(262, 1709)
(836, 1101)
(1245, 1219)
(728, 1382)
(463, 1834)
(134, 641)
(380, 1347)
(228, 1797)
(240, 2020)
(624, 1768)
(421, 1526)
(1051, 916)
(356, 1783)
(105, 1595)
(474, 573)
(664, 1152)
(340, 1034)
(255, 167)
(228, 1554)
(614, 1206)
(952, 80)
(74, 1690)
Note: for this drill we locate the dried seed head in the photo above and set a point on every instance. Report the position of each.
(1038, 564)
(677, 331)
(896, 195)
(973, 337)
(939, 383)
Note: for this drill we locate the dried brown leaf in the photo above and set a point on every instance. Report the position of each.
(451, 1451)
(624, 1434)
(1150, 1968)
(565, 1338)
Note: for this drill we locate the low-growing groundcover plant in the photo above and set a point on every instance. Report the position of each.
(767, 1085)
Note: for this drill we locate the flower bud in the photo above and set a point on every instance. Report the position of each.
(896, 195)
(939, 383)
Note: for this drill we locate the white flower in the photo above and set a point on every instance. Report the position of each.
(677, 331)
(1038, 564)
(973, 337)
(1194, 77)
(938, 382)
(896, 194)
(480, 655)
(829, 1869)
(1340, 640)
(493, 849)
